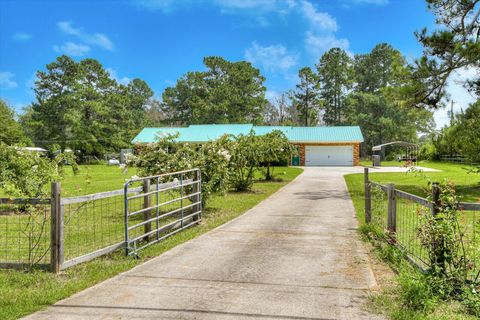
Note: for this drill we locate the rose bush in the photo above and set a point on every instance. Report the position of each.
(229, 162)
(167, 156)
(28, 174)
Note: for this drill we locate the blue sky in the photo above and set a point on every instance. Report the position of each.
(160, 40)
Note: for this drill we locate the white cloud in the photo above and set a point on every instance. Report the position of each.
(6, 80)
(271, 58)
(321, 35)
(317, 19)
(22, 36)
(272, 95)
(95, 39)
(30, 85)
(66, 27)
(318, 44)
(457, 93)
(72, 49)
(167, 6)
(114, 76)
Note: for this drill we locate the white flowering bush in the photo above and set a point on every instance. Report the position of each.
(229, 162)
(167, 155)
(244, 160)
(273, 148)
(28, 174)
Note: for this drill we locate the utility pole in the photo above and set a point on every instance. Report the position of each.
(450, 113)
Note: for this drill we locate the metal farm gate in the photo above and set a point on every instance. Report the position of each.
(166, 204)
(58, 233)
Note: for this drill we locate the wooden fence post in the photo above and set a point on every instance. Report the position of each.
(196, 187)
(368, 198)
(147, 215)
(56, 228)
(435, 198)
(392, 208)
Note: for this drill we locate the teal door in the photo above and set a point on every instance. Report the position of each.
(295, 161)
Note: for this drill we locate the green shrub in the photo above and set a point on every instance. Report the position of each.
(244, 161)
(416, 293)
(471, 300)
(428, 151)
(274, 148)
(167, 156)
(28, 174)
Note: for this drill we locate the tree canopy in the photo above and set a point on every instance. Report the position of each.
(454, 45)
(335, 77)
(80, 106)
(227, 92)
(12, 131)
(305, 97)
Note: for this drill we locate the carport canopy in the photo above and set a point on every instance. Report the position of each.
(398, 143)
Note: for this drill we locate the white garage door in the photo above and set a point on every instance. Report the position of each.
(329, 156)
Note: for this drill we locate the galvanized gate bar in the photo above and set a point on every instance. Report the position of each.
(181, 207)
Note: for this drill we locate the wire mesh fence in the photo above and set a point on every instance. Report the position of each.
(400, 219)
(409, 216)
(379, 207)
(59, 233)
(92, 223)
(470, 232)
(24, 232)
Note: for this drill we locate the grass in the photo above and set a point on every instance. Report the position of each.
(467, 184)
(22, 293)
(400, 299)
(88, 226)
(93, 179)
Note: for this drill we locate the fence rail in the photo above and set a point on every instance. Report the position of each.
(58, 233)
(176, 206)
(397, 215)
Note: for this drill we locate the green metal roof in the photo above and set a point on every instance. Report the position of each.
(326, 134)
(208, 132)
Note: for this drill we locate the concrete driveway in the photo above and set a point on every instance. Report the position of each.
(296, 255)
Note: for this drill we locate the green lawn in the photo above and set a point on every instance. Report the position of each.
(22, 293)
(93, 179)
(468, 184)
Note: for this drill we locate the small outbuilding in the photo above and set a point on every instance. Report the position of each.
(315, 146)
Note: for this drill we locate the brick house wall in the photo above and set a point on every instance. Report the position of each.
(356, 150)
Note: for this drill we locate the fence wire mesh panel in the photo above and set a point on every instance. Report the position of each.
(92, 223)
(404, 218)
(167, 204)
(469, 221)
(379, 207)
(24, 232)
(409, 219)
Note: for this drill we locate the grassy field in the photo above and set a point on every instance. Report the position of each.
(88, 226)
(467, 184)
(93, 179)
(389, 301)
(22, 293)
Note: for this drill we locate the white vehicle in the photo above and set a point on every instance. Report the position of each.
(113, 162)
